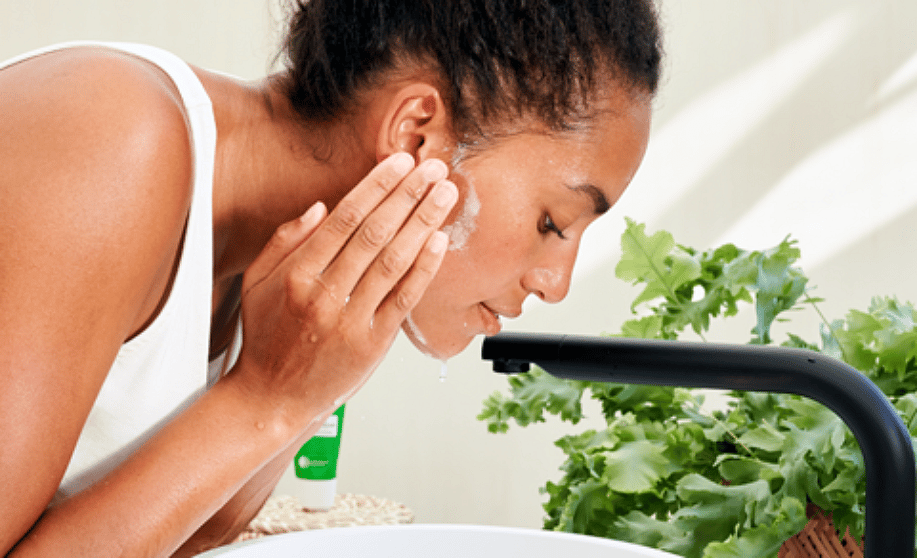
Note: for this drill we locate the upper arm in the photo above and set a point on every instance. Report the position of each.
(94, 191)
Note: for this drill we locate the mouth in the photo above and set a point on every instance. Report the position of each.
(492, 318)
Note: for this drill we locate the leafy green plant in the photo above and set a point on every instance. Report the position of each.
(667, 472)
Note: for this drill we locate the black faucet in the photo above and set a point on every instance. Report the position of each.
(883, 438)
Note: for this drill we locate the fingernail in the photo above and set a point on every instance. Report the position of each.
(444, 194)
(402, 162)
(313, 215)
(438, 242)
(434, 170)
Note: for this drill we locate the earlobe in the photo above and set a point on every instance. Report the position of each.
(415, 123)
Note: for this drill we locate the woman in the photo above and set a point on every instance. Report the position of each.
(147, 205)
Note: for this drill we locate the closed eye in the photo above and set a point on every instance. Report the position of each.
(547, 225)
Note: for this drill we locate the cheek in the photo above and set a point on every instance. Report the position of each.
(502, 238)
(490, 262)
(467, 276)
(456, 281)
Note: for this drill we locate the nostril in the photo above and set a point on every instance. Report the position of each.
(549, 285)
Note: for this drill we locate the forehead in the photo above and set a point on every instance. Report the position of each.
(597, 157)
(614, 142)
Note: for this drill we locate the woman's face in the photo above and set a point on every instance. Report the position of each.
(525, 203)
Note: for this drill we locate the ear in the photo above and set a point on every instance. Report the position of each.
(415, 122)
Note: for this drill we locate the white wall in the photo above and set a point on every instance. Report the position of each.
(776, 117)
(235, 36)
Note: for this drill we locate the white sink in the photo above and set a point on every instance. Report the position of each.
(433, 541)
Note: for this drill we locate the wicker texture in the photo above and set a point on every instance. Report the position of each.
(284, 514)
(819, 539)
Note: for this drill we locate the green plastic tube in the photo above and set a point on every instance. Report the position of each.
(316, 463)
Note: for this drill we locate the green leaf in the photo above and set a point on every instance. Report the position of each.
(589, 441)
(580, 509)
(741, 272)
(898, 349)
(700, 489)
(777, 287)
(855, 338)
(796, 342)
(764, 437)
(650, 260)
(764, 540)
(638, 528)
(635, 467)
(831, 345)
(724, 283)
(900, 317)
(648, 327)
(495, 413)
(743, 470)
(906, 406)
(644, 402)
(531, 395)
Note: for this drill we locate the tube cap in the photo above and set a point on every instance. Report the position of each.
(316, 495)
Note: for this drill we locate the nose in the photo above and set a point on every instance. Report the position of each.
(551, 281)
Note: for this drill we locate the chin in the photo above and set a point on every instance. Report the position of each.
(438, 349)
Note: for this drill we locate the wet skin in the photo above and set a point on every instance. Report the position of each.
(538, 193)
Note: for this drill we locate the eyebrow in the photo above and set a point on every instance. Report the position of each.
(599, 201)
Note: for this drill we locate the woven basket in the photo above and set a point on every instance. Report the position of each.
(819, 539)
(284, 514)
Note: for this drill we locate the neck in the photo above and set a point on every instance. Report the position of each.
(270, 168)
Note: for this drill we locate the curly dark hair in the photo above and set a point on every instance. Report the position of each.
(496, 59)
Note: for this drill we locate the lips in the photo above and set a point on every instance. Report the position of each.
(491, 319)
(493, 314)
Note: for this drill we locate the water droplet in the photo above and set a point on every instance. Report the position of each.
(443, 371)
(313, 338)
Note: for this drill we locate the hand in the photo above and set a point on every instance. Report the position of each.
(323, 302)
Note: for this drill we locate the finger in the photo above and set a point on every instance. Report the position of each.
(284, 241)
(405, 296)
(351, 211)
(389, 268)
(381, 226)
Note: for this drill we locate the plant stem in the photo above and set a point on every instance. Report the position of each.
(731, 434)
(828, 325)
(661, 277)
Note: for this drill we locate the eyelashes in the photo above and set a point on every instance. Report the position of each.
(547, 225)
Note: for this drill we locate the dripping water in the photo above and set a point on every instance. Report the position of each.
(443, 371)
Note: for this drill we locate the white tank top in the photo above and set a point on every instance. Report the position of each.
(164, 368)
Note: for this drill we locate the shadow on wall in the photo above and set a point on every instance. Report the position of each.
(805, 126)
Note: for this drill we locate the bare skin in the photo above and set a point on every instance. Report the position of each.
(96, 185)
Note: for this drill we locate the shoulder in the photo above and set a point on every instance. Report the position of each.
(97, 166)
(90, 123)
(92, 102)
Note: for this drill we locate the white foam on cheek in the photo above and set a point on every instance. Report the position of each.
(466, 221)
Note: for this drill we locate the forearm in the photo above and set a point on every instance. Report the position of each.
(235, 516)
(157, 499)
